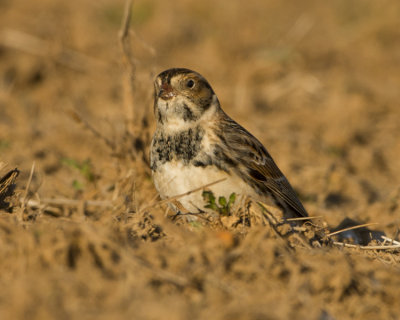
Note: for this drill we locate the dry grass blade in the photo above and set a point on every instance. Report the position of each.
(165, 201)
(129, 62)
(148, 47)
(392, 241)
(303, 218)
(268, 215)
(273, 222)
(136, 121)
(69, 202)
(352, 228)
(354, 246)
(124, 32)
(25, 196)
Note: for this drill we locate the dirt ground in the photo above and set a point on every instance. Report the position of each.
(85, 238)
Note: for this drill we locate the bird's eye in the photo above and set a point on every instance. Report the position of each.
(190, 83)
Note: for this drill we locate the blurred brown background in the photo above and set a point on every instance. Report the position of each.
(317, 82)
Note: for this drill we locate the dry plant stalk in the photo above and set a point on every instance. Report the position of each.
(25, 196)
(304, 218)
(351, 228)
(129, 62)
(172, 199)
(354, 246)
(136, 122)
(68, 202)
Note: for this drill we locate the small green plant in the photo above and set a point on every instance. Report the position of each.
(222, 207)
(4, 144)
(196, 225)
(85, 168)
(77, 185)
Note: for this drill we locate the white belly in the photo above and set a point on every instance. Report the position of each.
(174, 178)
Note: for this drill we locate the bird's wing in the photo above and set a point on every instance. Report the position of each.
(280, 187)
(246, 150)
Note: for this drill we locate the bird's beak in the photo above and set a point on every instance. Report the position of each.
(166, 92)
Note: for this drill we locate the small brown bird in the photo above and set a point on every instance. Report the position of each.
(197, 143)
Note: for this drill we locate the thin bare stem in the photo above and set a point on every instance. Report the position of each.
(351, 228)
(303, 218)
(68, 202)
(130, 65)
(165, 201)
(390, 240)
(126, 20)
(25, 196)
(148, 47)
(354, 246)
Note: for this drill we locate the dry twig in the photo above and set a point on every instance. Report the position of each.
(351, 228)
(171, 199)
(354, 246)
(130, 65)
(68, 202)
(390, 240)
(136, 122)
(25, 196)
(303, 218)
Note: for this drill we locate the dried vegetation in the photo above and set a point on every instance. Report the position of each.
(82, 232)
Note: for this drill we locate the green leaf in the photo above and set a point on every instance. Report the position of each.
(222, 207)
(72, 163)
(77, 185)
(232, 199)
(208, 196)
(4, 144)
(196, 224)
(222, 201)
(212, 206)
(85, 168)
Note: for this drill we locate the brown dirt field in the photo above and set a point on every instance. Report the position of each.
(317, 82)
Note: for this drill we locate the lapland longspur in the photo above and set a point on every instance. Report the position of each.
(196, 143)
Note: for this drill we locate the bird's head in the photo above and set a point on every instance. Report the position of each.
(182, 97)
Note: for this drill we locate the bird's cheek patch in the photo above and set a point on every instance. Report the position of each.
(187, 113)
